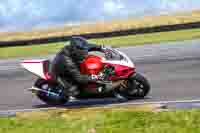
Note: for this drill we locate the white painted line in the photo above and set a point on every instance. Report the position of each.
(161, 102)
(100, 106)
(26, 110)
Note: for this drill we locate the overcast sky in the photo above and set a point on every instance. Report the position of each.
(26, 14)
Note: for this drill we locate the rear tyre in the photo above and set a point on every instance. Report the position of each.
(48, 99)
(138, 87)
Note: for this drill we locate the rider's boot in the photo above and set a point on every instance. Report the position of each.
(119, 96)
(70, 91)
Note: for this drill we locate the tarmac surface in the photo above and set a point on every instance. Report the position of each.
(173, 70)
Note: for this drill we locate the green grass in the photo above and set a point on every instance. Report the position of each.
(131, 40)
(110, 121)
(34, 50)
(160, 37)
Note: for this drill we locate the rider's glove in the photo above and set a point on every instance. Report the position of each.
(93, 78)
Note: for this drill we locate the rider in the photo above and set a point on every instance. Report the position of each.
(65, 66)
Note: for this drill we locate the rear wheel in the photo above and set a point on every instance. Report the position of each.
(137, 87)
(48, 98)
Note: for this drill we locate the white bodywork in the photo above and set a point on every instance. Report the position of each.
(124, 62)
(35, 66)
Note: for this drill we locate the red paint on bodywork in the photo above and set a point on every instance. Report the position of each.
(47, 75)
(121, 71)
(91, 65)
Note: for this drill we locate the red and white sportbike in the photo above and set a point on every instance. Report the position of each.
(115, 71)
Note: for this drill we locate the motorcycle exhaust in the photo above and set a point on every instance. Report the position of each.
(39, 91)
(115, 85)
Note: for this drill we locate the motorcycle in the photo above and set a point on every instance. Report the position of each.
(115, 70)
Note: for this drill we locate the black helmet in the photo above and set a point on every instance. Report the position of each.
(78, 42)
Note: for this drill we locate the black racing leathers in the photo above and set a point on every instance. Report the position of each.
(65, 67)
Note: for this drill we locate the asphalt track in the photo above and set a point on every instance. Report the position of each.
(173, 70)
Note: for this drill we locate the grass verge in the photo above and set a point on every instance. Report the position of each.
(117, 120)
(131, 40)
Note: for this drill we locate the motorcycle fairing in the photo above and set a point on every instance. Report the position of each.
(37, 67)
(123, 68)
(121, 71)
(91, 65)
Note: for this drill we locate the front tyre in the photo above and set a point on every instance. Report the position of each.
(47, 98)
(137, 87)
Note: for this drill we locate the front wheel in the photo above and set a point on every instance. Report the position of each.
(137, 87)
(46, 90)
